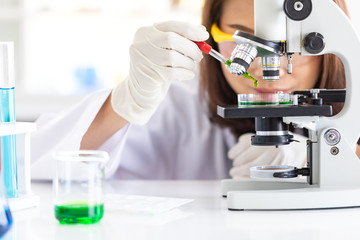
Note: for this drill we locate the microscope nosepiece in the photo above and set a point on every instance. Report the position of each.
(271, 67)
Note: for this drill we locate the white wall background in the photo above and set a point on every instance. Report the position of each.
(42, 27)
(354, 8)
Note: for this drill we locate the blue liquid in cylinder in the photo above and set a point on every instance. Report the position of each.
(8, 143)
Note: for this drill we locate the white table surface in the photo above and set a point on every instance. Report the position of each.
(205, 218)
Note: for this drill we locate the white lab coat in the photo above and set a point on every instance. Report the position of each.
(179, 141)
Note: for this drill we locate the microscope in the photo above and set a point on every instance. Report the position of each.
(332, 173)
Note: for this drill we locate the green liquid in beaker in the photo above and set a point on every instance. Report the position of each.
(79, 212)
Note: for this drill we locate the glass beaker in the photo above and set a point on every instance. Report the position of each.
(78, 186)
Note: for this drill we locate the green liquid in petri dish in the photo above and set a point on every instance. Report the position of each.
(262, 103)
(79, 212)
(247, 74)
(257, 103)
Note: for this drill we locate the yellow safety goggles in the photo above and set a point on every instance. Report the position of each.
(219, 35)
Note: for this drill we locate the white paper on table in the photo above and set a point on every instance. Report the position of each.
(143, 204)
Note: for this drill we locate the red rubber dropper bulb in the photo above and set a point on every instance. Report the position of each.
(203, 46)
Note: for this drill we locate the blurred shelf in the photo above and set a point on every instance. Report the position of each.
(16, 128)
(29, 106)
(10, 13)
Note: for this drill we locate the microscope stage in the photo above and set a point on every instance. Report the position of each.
(251, 111)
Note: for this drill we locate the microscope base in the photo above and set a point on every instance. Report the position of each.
(251, 194)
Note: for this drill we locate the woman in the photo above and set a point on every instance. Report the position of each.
(221, 87)
(182, 138)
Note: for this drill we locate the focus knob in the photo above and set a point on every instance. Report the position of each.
(314, 43)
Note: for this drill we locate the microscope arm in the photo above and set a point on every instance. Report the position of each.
(341, 40)
(334, 167)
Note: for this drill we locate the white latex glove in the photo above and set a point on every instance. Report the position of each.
(159, 55)
(245, 155)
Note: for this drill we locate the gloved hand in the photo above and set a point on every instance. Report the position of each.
(159, 55)
(245, 155)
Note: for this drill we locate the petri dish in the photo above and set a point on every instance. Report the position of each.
(264, 99)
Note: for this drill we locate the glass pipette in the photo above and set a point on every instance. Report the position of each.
(206, 48)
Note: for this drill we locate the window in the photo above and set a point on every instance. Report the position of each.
(78, 46)
(67, 48)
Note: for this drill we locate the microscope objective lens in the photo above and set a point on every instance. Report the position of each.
(233, 69)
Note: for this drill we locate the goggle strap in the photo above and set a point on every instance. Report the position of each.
(219, 35)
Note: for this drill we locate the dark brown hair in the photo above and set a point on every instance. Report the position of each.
(216, 90)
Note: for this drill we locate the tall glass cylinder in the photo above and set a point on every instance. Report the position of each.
(8, 143)
(7, 116)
